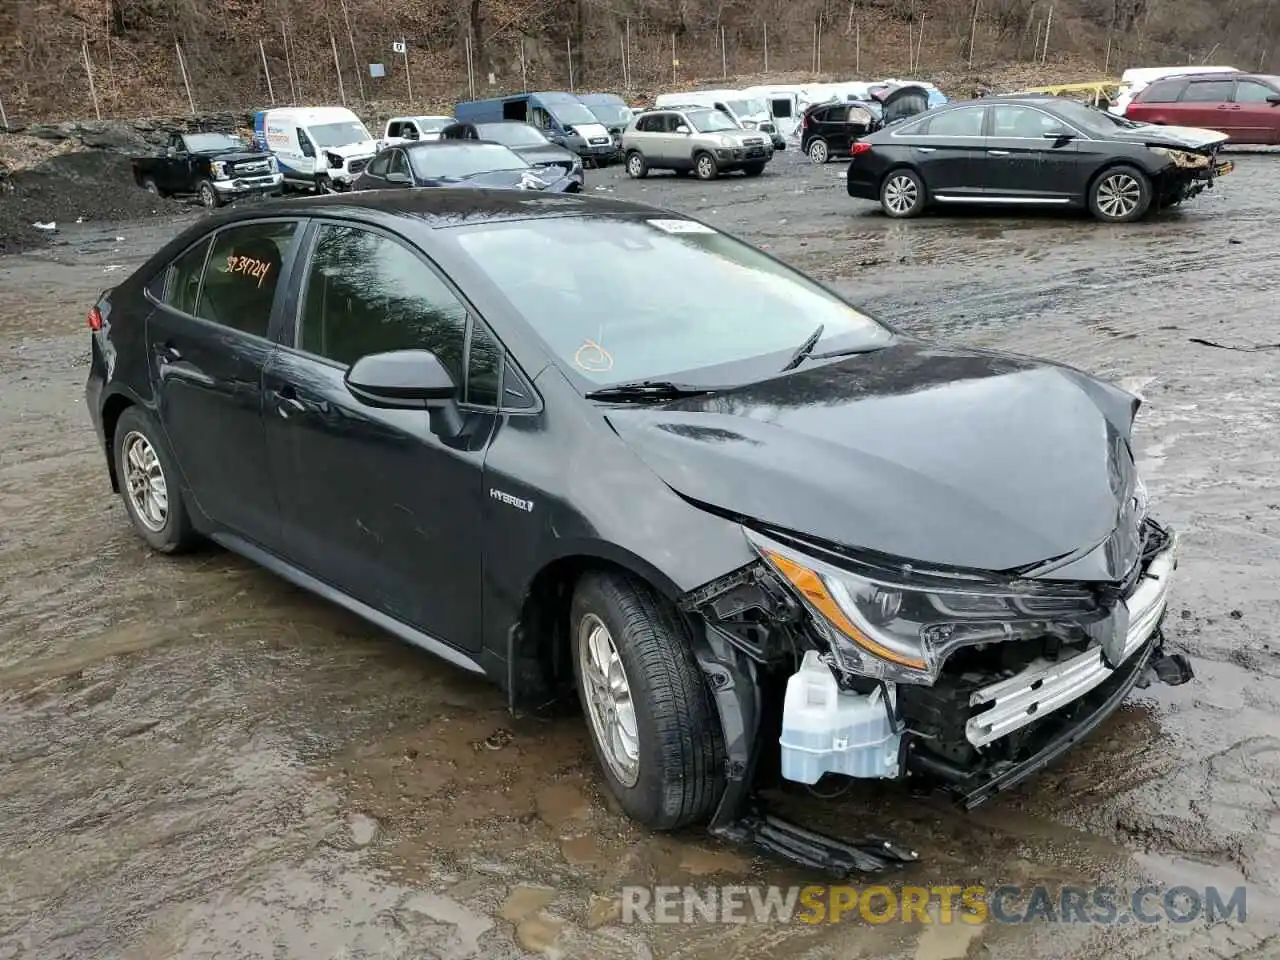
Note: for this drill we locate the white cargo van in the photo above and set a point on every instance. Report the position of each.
(317, 148)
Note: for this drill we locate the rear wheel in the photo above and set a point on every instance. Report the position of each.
(1120, 195)
(149, 185)
(902, 194)
(705, 167)
(637, 168)
(818, 151)
(149, 484)
(650, 715)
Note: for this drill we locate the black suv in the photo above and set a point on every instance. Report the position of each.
(829, 129)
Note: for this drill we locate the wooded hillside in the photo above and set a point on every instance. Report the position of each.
(132, 46)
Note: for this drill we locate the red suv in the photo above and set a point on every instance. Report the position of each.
(1246, 107)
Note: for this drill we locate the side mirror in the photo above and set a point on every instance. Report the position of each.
(408, 380)
(1274, 100)
(171, 151)
(400, 179)
(682, 129)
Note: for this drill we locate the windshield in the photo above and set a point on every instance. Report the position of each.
(434, 124)
(710, 121)
(572, 114)
(448, 161)
(339, 134)
(746, 108)
(512, 134)
(1091, 119)
(605, 318)
(610, 113)
(211, 142)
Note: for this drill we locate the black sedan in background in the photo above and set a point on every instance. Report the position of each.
(524, 139)
(1012, 152)
(472, 163)
(475, 419)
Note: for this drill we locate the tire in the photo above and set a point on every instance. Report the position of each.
(207, 196)
(637, 167)
(902, 194)
(149, 185)
(753, 169)
(1120, 195)
(705, 167)
(818, 151)
(676, 775)
(158, 513)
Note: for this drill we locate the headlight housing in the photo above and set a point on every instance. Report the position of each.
(334, 161)
(219, 169)
(899, 625)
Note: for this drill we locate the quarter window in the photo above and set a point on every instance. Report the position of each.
(184, 278)
(1162, 91)
(366, 293)
(378, 168)
(1209, 91)
(240, 277)
(1250, 91)
(966, 122)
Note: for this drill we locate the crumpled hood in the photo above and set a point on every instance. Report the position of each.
(1178, 138)
(501, 180)
(960, 459)
(365, 148)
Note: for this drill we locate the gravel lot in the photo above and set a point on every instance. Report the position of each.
(197, 760)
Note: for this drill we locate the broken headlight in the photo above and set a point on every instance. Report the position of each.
(899, 624)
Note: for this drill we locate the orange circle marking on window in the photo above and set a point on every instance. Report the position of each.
(593, 358)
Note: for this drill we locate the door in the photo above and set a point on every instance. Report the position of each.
(949, 149)
(676, 149)
(374, 503)
(1257, 112)
(175, 175)
(1023, 161)
(1207, 103)
(208, 348)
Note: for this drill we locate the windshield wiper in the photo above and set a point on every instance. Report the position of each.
(647, 390)
(804, 349)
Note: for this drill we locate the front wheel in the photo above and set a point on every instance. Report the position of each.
(637, 168)
(902, 194)
(704, 167)
(652, 722)
(207, 195)
(1120, 195)
(818, 151)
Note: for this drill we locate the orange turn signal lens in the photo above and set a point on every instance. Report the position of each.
(816, 593)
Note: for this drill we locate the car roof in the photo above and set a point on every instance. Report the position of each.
(444, 206)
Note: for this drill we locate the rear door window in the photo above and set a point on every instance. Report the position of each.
(965, 122)
(243, 272)
(378, 168)
(1208, 91)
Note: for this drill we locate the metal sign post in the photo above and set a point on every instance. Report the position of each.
(402, 47)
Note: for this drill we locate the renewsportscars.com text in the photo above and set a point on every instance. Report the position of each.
(942, 904)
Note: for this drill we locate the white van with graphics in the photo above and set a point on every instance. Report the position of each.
(317, 148)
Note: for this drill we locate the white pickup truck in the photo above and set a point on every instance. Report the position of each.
(402, 129)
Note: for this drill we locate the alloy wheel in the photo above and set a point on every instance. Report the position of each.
(145, 482)
(608, 696)
(818, 151)
(1119, 195)
(634, 165)
(208, 197)
(900, 194)
(706, 167)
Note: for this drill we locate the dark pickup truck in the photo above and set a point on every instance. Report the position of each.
(216, 167)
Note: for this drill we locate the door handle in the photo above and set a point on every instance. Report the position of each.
(998, 153)
(167, 353)
(287, 402)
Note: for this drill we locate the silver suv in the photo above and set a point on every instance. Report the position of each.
(700, 139)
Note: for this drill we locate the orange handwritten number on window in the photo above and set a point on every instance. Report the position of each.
(249, 267)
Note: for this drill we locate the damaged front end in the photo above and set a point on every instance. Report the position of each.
(1188, 174)
(888, 670)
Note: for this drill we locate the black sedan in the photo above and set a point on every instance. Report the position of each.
(474, 163)
(1012, 152)
(688, 499)
(521, 138)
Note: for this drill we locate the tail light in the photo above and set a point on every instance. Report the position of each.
(95, 319)
(860, 148)
(804, 121)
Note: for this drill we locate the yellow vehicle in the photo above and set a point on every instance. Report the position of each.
(1100, 93)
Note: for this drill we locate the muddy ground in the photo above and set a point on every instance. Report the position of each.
(197, 760)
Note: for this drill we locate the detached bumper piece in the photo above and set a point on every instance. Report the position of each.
(740, 818)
